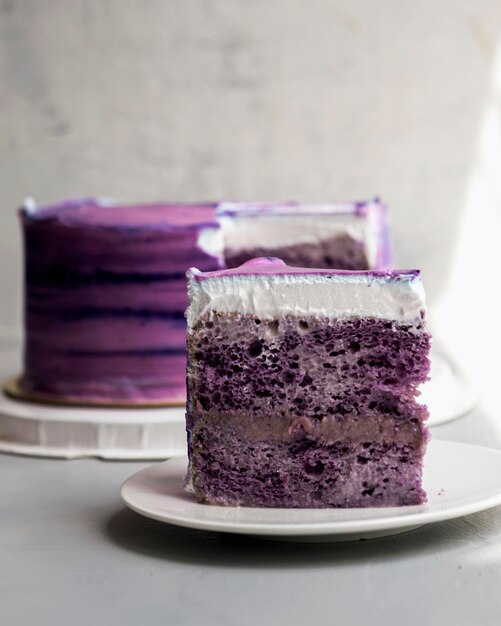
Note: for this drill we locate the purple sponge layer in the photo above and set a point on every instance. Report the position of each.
(341, 252)
(305, 472)
(311, 367)
(306, 412)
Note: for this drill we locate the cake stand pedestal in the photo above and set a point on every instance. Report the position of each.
(75, 432)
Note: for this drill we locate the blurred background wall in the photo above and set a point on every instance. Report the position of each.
(257, 100)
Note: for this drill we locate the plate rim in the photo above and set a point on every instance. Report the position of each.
(419, 516)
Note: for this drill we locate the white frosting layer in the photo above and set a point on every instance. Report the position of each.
(269, 231)
(210, 240)
(29, 205)
(268, 296)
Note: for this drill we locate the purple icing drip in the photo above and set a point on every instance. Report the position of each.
(276, 267)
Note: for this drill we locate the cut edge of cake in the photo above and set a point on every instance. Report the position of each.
(300, 398)
(349, 235)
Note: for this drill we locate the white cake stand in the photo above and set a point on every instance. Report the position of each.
(73, 432)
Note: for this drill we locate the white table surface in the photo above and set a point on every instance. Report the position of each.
(71, 553)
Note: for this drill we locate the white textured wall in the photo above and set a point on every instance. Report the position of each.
(246, 99)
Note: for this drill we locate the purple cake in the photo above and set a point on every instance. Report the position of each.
(352, 236)
(302, 386)
(106, 289)
(105, 298)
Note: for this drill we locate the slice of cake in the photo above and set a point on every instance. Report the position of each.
(350, 236)
(302, 386)
(105, 295)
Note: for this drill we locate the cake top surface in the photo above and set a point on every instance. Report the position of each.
(107, 213)
(267, 288)
(271, 266)
(103, 213)
(262, 209)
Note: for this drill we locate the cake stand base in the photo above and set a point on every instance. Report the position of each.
(74, 432)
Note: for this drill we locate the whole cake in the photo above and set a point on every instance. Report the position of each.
(302, 386)
(351, 236)
(105, 298)
(105, 288)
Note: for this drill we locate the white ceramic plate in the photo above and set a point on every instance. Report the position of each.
(459, 479)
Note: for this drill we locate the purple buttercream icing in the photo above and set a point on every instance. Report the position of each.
(105, 298)
(289, 207)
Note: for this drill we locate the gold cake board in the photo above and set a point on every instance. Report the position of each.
(12, 387)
